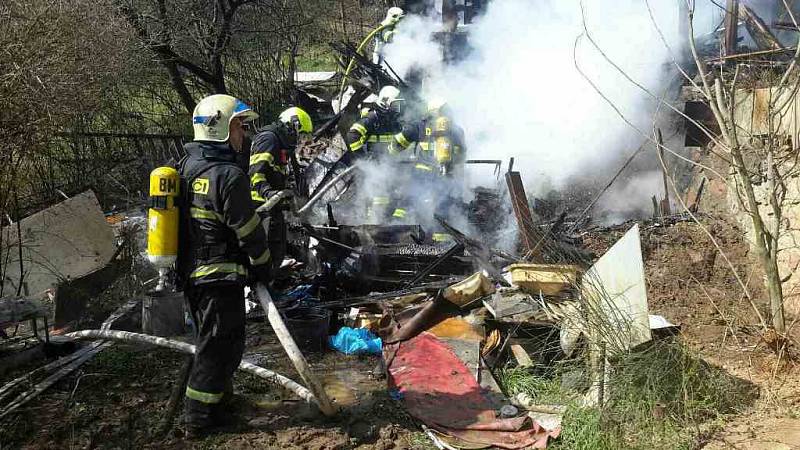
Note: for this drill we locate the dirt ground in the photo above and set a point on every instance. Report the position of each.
(118, 399)
(691, 285)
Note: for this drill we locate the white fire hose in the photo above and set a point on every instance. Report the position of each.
(305, 209)
(183, 347)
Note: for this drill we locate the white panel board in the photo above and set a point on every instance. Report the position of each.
(66, 241)
(616, 294)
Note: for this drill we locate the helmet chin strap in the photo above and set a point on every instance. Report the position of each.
(292, 130)
(296, 125)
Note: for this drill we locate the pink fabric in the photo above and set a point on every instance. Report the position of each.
(439, 390)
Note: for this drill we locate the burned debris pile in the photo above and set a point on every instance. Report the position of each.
(472, 300)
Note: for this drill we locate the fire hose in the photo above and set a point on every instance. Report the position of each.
(306, 208)
(359, 49)
(183, 347)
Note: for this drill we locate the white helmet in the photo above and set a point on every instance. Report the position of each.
(387, 96)
(393, 15)
(212, 117)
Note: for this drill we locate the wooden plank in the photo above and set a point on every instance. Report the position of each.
(731, 27)
(519, 201)
(522, 357)
(758, 30)
(665, 206)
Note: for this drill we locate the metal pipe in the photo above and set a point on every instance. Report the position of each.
(313, 200)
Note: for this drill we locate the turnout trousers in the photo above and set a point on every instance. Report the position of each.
(274, 223)
(219, 317)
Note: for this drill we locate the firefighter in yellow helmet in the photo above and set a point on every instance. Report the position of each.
(393, 16)
(440, 157)
(372, 133)
(271, 152)
(222, 241)
(440, 141)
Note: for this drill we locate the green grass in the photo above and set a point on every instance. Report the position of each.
(419, 441)
(659, 398)
(316, 58)
(585, 429)
(543, 390)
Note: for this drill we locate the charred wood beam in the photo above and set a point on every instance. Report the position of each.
(665, 206)
(753, 54)
(309, 230)
(731, 27)
(478, 250)
(519, 202)
(789, 26)
(377, 298)
(758, 30)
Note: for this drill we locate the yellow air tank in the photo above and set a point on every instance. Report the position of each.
(443, 151)
(162, 221)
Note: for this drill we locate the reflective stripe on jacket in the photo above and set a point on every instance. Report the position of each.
(225, 233)
(268, 170)
(372, 133)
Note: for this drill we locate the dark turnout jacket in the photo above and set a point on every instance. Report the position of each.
(372, 134)
(225, 233)
(269, 162)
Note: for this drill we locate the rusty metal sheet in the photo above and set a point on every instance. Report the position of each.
(66, 241)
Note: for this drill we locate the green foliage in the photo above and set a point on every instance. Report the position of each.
(316, 58)
(669, 379)
(542, 390)
(657, 398)
(584, 429)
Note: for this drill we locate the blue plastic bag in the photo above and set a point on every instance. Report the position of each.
(302, 292)
(352, 341)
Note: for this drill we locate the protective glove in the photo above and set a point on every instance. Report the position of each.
(352, 157)
(347, 158)
(261, 273)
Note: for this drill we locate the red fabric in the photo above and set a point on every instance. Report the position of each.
(439, 390)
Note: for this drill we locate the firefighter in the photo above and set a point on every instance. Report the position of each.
(370, 137)
(393, 16)
(270, 154)
(439, 159)
(223, 243)
(441, 142)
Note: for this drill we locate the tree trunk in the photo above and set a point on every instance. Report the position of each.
(176, 80)
(772, 273)
(775, 291)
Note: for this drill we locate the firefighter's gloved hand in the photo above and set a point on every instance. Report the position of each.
(287, 200)
(261, 273)
(347, 158)
(352, 157)
(276, 201)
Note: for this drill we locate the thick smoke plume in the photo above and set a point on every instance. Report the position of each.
(520, 95)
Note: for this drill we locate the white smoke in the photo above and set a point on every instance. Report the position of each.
(519, 94)
(632, 197)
